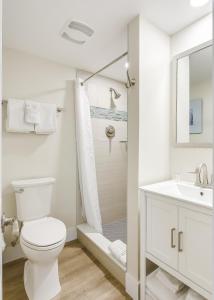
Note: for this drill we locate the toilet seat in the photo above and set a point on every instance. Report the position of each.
(44, 248)
(43, 234)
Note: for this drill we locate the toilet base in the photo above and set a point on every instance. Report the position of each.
(41, 280)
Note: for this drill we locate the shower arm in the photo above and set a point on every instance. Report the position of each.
(131, 82)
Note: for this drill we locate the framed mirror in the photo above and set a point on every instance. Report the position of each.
(193, 89)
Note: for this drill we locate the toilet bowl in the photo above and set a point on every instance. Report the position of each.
(42, 237)
(42, 241)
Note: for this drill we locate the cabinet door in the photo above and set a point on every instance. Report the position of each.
(162, 227)
(195, 253)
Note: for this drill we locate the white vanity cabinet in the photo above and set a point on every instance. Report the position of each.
(162, 224)
(177, 236)
(195, 243)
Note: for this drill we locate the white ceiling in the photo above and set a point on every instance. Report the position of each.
(33, 26)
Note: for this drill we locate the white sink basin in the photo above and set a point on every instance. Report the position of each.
(184, 191)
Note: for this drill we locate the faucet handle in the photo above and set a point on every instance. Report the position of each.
(203, 174)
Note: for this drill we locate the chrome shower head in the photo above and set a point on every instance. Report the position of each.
(116, 94)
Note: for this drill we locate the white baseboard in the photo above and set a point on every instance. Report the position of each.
(132, 287)
(14, 253)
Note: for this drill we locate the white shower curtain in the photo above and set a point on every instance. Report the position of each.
(86, 159)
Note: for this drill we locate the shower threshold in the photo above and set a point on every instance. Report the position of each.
(98, 245)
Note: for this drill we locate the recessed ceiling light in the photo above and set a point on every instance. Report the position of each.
(127, 65)
(198, 3)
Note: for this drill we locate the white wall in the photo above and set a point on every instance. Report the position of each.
(132, 275)
(29, 155)
(192, 36)
(154, 105)
(149, 115)
(111, 165)
(186, 159)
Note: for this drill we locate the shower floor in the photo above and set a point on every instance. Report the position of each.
(116, 230)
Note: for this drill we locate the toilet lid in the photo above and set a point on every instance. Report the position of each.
(44, 232)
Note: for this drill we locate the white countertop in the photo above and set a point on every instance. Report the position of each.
(182, 190)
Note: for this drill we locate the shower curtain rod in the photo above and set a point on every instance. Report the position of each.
(105, 67)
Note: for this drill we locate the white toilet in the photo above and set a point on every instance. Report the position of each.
(42, 237)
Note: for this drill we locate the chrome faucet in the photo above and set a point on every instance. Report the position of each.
(202, 176)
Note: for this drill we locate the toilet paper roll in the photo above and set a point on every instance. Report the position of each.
(15, 229)
(15, 233)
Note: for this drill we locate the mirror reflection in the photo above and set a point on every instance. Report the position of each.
(194, 97)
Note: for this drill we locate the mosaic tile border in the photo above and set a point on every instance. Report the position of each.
(109, 114)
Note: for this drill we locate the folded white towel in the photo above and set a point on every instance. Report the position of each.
(192, 295)
(172, 283)
(118, 251)
(160, 291)
(123, 260)
(15, 117)
(151, 296)
(47, 123)
(32, 112)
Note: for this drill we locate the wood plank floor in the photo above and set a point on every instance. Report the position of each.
(82, 278)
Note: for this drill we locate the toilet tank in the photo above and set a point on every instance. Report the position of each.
(33, 198)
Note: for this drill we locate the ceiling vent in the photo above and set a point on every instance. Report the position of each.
(76, 32)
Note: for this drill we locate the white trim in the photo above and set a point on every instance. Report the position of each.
(100, 241)
(132, 286)
(98, 245)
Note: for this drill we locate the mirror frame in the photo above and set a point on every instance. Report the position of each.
(174, 96)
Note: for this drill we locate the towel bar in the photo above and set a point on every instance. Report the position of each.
(58, 109)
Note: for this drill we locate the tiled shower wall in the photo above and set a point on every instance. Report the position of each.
(111, 156)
